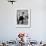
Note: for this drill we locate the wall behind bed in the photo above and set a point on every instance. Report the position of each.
(8, 30)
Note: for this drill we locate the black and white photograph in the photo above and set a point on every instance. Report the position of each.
(23, 18)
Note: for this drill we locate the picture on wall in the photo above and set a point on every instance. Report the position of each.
(23, 18)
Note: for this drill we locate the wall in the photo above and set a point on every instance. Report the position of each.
(8, 28)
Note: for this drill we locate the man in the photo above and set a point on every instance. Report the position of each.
(21, 18)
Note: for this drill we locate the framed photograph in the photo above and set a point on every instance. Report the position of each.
(23, 18)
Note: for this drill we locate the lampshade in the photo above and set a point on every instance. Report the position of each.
(12, 1)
